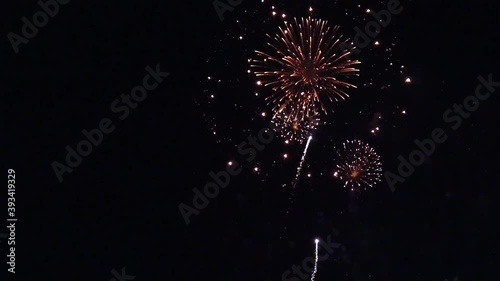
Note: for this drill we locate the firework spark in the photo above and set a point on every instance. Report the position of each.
(293, 129)
(306, 67)
(359, 165)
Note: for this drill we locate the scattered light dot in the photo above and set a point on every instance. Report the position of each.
(230, 163)
(377, 43)
(209, 78)
(256, 169)
(285, 155)
(408, 80)
(259, 83)
(373, 131)
(377, 128)
(283, 16)
(286, 142)
(308, 175)
(368, 10)
(274, 13)
(336, 174)
(310, 9)
(249, 71)
(403, 112)
(212, 96)
(316, 241)
(241, 37)
(263, 114)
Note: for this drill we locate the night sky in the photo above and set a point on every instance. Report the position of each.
(119, 207)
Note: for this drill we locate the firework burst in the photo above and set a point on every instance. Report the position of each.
(306, 67)
(294, 129)
(359, 165)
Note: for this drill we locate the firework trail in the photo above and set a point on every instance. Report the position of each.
(315, 261)
(295, 180)
(299, 168)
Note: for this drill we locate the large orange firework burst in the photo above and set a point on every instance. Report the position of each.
(306, 68)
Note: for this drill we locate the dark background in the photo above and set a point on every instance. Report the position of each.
(119, 208)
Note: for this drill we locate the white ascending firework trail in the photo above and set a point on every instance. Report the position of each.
(301, 162)
(295, 180)
(299, 168)
(315, 261)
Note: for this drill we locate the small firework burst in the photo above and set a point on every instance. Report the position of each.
(358, 165)
(294, 129)
(306, 67)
